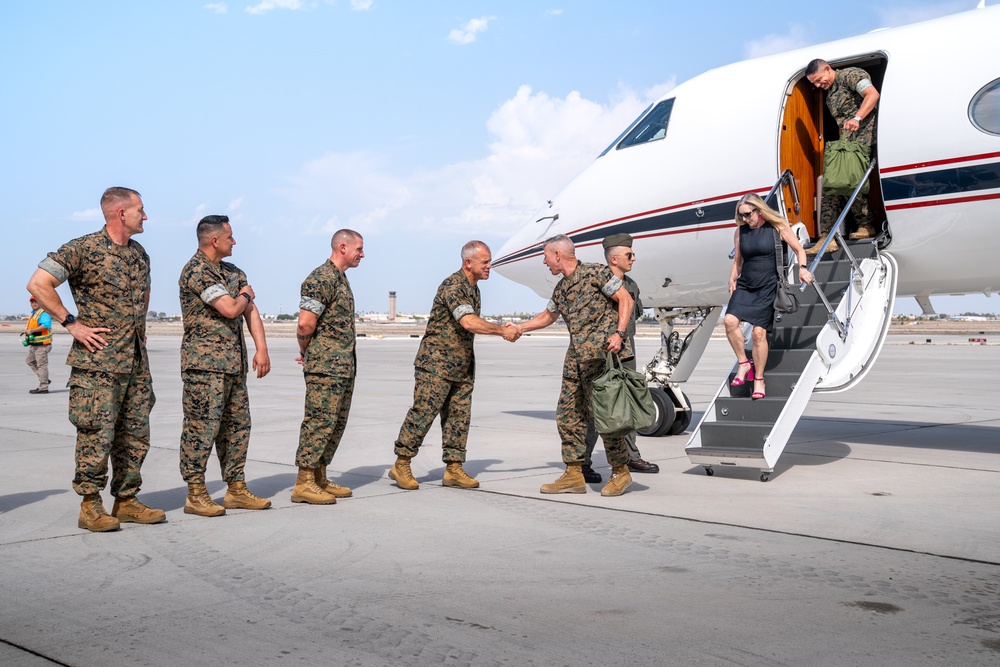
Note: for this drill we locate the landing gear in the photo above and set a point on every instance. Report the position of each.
(764, 476)
(709, 471)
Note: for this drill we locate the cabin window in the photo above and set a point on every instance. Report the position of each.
(627, 130)
(652, 127)
(984, 110)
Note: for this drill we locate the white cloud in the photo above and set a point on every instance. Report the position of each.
(217, 7)
(85, 215)
(361, 5)
(767, 45)
(539, 143)
(467, 33)
(268, 5)
(902, 14)
(554, 12)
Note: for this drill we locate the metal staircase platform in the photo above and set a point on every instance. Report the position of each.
(808, 352)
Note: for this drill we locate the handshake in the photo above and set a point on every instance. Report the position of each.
(511, 332)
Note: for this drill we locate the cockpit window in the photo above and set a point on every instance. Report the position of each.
(627, 130)
(651, 127)
(984, 110)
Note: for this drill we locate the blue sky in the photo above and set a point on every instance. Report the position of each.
(420, 124)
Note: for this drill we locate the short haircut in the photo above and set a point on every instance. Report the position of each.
(116, 195)
(343, 236)
(613, 250)
(563, 244)
(209, 225)
(472, 247)
(815, 66)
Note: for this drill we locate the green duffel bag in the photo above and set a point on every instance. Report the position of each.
(845, 164)
(621, 400)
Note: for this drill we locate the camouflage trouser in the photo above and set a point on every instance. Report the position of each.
(633, 451)
(38, 361)
(328, 403)
(433, 395)
(574, 411)
(833, 206)
(216, 410)
(111, 415)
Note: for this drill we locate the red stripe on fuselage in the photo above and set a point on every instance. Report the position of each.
(935, 163)
(942, 202)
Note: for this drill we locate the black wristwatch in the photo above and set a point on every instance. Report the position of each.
(246, 296)
(69, 320)
(622, 334)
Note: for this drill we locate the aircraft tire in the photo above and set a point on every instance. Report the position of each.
(664, 414)
(682, 419)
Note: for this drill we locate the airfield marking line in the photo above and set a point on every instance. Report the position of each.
(773, 531)
(34, 653)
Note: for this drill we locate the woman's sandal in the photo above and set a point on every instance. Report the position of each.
(738, 382)
(758, 394)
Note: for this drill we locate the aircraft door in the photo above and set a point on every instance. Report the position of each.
(801, 151)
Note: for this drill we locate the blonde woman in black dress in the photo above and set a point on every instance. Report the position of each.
(753, 281)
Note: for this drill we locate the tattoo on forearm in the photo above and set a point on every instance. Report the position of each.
(304, 336)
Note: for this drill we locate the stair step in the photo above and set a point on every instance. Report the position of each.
(735, 435)
(726, 453)
(778, 384)
(728, 409)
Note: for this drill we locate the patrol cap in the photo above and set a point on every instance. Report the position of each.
(617, 240)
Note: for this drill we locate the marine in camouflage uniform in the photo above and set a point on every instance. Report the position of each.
(327, 339)
(596, 308)
(215, 300)
(618, 253)
(111, 392)
(445, 371)
(845, 94)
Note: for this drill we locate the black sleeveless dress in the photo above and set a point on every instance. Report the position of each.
(753, 300)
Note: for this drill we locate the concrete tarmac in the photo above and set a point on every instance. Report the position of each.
(875, 542)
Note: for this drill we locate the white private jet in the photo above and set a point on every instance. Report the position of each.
(672, 180)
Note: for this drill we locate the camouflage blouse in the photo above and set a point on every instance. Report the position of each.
(212, 341)
(583, 298)
(843, 99)
(110, 285)
(447, 348)
(327, 293)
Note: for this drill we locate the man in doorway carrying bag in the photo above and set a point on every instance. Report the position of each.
(852, 100)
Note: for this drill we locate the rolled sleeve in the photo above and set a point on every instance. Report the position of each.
(862, 86)
(612, 286)
(213, 292)
(312, 305)
(462, 311)
(551, 306)
(55, 268)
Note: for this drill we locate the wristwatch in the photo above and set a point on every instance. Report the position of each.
(622, 334)
(247, 296)
(69, 320)
(857, 118)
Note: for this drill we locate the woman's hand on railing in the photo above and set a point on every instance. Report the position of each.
(805, 276)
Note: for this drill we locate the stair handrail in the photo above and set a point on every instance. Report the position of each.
(834, 233)
(835, 230)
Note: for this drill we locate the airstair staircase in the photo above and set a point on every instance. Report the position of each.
(828, 345)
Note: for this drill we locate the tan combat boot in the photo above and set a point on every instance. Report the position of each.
(455, 476)
(402, 474)
(620, 480)
(239, 497)
(307, 491)
(130, 510)
(571, 481)
(200, 503)
(93, 517)
(334, 490)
